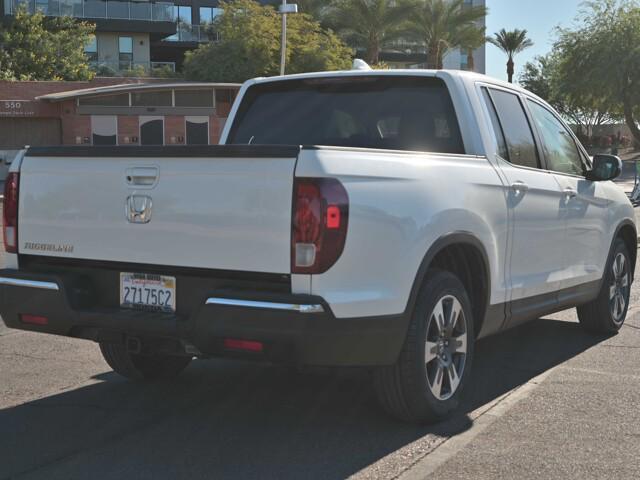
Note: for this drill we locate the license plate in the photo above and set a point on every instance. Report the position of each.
(148, 291)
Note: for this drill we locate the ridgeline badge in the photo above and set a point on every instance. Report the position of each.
(48, 247)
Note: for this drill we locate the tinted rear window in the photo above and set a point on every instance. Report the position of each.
(397, 113)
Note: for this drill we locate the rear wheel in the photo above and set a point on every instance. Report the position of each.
(606, 314)
(426, 382)
(142, 367)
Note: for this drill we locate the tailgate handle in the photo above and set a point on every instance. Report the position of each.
(143, 176)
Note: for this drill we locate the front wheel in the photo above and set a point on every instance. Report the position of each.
(606, 314)
(426, 382)
(142, 367)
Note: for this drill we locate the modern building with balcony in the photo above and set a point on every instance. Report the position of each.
(146, 37)
(136, 36)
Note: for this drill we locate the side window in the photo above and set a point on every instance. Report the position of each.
(497, 128)
(518, 135)
(561, 151)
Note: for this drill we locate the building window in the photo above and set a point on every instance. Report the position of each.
(91, 49)
(45, 7)
(184, 30)
(197, 129)
(72, 8)
(152, 99)
(464, 60)
(194, 98)
(151, 130)
(95, 9)
(125, 53)
(209, 14)
(224, 95)
(183, 14)
(104, 129)
(121, 100)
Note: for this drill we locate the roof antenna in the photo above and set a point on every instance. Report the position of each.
(359, 64)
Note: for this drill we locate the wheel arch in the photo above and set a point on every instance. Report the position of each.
(464, 255)
(629, 235)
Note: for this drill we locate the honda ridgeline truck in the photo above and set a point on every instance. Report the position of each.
(379, 219)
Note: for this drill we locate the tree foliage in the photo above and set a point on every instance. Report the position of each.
(34, 47)
(599, 59)
(250, 45)
(511, 42)
(443, 25)
(543, 78)
(318, 9)
(370, 25)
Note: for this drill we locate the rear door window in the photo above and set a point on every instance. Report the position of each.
(384, 112)
(497, 128)
(520, 143)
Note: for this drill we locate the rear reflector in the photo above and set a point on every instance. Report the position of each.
(10, 213)
(33, 319)
(333, 216)
(245, 345)
(319, 230)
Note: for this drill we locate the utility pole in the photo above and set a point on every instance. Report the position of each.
(285, 9)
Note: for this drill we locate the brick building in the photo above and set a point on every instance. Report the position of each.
(111, 111)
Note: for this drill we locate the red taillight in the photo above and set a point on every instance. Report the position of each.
(319, 231)
(246, 345)
(10, 212)
(33, 319)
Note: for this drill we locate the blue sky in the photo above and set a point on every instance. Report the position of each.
(539, 17)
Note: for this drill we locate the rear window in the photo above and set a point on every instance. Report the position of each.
(386, 112)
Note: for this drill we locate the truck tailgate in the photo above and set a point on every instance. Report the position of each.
(220, 207)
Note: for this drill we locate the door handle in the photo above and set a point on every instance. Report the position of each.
(570, 192)
(142, 176)
(519, 187)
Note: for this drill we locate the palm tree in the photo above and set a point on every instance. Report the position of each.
(318, 9)
(370, 24)
(471, 40)
(443, 25)
(511, 43)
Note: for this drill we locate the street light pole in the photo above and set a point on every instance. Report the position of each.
(284, 10)
(283, 38)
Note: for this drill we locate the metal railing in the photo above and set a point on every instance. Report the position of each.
(110, 69)
(193, 33)
(113, 9)
(407, 46)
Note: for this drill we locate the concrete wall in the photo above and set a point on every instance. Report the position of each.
(108, 50)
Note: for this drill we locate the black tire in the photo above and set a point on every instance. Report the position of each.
(603, 315)
(404, 389)
(142, 367)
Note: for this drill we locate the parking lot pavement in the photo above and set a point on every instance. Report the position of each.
(546, 401)
(64, 415)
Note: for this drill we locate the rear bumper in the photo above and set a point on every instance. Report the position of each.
(298, 329)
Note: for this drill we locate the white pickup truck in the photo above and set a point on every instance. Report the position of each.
(374, 219)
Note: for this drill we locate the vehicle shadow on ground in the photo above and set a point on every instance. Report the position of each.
(237, 420)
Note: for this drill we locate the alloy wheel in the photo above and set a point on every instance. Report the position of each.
(619, 288)
(446, 347)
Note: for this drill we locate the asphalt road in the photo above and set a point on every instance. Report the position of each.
(64, 415)
(547, 401)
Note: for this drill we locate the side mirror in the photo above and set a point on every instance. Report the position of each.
(605, 167)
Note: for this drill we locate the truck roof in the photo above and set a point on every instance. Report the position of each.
(464, 76)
